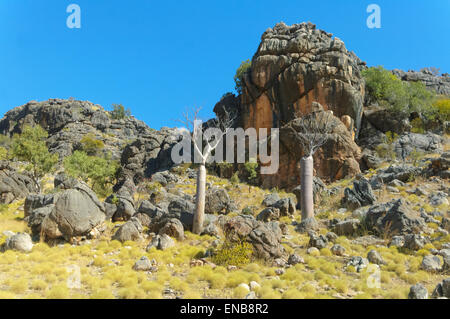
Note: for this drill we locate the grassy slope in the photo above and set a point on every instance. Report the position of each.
(106, 266)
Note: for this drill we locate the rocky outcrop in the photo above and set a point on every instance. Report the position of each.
(67, 121)
(338, 157)
(438, 83)
(148, 155)
(295, 66)
(360, 195)
(409, 142)
(14, 185)
(394, 218)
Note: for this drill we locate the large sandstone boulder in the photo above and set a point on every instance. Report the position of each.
(294, 67)
(76, 212)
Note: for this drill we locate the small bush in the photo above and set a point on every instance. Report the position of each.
(233, 253)
(91, 145)
(119, 112)
(238, 78)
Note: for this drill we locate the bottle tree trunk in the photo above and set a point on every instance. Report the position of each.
(199, 215)
(307, 197)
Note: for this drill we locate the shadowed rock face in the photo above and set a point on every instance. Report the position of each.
(337, 159)
(295, 66)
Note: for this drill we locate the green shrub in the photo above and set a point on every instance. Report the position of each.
(243, 68)
(252, 174)
(389, 91)
(3, 153)
(97, 171)
(235, 178)
(91, 145)
(442, 109)
(119, 112)
(384, 87)
(30, 146)
(386, 150)
(233, 253)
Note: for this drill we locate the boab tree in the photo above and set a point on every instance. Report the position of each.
(312, 132)
(206, 138)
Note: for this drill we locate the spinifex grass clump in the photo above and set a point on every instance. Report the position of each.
(233, 253)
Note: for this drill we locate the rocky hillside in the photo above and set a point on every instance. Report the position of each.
(381, 225)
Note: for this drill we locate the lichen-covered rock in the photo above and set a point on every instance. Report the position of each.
(217, 201)
(173, 228)
(76, 212)
(20, 242)
(268, 214)
(360, 195)
(394, 218)
(265, 237)
(347, 227)
(418, 291)
(130, 231)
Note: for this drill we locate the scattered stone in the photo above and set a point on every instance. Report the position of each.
(415, 242)
(397, 241)
(361, 194)
(268, 214)
(173, 228)
(338, 250)
(270, 199)
(265, 237)
(431, 263)
(439, 198)
(20, 242)
(375, 258)
(392, 189)
(347, 227)
(245, 286)
(251, 295)
(295, 259)
(394, 217)
(358, 262)
(318, 241)
(418, 291)
(254, 285)
(280, 271)
(442, 290)
(307, 225)
(217, 201)
(161, 242)
(131, 230)
(143, 264)
(331, 237)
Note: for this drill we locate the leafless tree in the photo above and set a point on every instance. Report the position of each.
(204, 145)
(312, 132)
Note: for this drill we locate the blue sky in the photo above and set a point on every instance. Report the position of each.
(160, 57)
